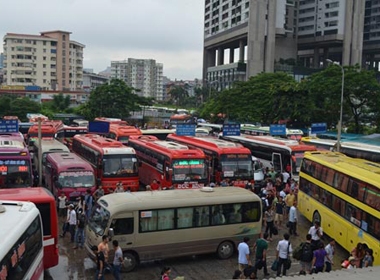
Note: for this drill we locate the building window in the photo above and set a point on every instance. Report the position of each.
(43, 65)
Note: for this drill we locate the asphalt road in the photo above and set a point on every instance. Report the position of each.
(74, 264)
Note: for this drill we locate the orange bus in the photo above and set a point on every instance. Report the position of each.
(45, 202)
(178, 119)
(226, 159)
(111, 160)
(170, 163)
(68, 132)
(121, 132)
(68, 173)
(49, 130)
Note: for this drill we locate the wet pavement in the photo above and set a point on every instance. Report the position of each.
(75, 265)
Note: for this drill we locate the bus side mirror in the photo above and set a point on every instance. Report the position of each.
(170, 171)
(111, 233)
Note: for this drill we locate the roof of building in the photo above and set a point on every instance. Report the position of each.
(29, 36)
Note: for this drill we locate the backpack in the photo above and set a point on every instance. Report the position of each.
(297, 253)
(307, 253)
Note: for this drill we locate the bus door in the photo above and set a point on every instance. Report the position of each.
(123, 229)
(277, 162)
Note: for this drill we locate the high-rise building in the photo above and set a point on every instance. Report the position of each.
(50, 60)
(145, 75)
(1, 60)
(253, 34)
(265, 33)
(92, 80)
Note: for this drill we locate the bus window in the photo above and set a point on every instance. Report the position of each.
(122, 226)
(277, 162)
(185, 217)
(217, 216)
(202, 216)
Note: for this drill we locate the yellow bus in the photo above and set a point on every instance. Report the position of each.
(342, 193)
(154, 225)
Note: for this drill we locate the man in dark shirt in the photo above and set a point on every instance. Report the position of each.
(261, 247)
(99, 263)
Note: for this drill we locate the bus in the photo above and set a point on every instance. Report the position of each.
(343, 194)
(15, 162)
(46, 204)
(213, 128)
(67, 133)
(160, 134)
(70, 174)
(33, 118)
(281, 154)
(293, 134)
(170, 163)
(111, 160)
(121, 132)
(111, 120)
(23, 128)
(179, 119)
(174, 223)
(49, 130)
(21, 235)
(226, 160)
(350, 148)
(47, 146)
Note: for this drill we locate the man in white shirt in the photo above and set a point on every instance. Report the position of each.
(72, 221)
(293, 219)
(244, 259)
(316, 233)
(330, 248)
(284, 248)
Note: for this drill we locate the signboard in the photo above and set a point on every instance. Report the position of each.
(98, 127)
(231, 129)
(318, 128)
(8, 126)
(184, 129)
(277, 129)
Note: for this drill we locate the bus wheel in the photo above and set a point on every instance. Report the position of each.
(129, 262)
(225, 250)
(317, 217)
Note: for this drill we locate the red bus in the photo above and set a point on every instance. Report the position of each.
(121, 132)
(172, 164)
(68, 173)
(66, 134)
(49, 130)
(45, 202)
(111, 160)
(227, 160)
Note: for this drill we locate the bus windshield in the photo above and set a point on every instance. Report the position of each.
(119, 166)
(298, 160)
(237, 165)
(14, 174)
(192, 169)
(76, 179)
(98, 219)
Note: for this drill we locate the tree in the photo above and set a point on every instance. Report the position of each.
(115, 99)
(5, 105)
(21, 106)
(60, 102)
(178, 95)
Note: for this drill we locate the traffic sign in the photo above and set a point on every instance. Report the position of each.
(185, 129)
(231, 129)
(8, 126)
(98, 127)
(318, 128)
(277, 129)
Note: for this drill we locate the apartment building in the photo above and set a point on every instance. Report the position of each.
(92, 80)
(50, 60)
(143, 74)
(264, 32)
(245, 37)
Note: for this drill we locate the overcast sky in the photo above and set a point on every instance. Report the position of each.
(169, 31)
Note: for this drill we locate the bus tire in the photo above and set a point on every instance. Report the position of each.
(225, 250)
(317, 217)
(130, 261)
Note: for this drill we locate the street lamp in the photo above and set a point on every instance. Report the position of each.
(341, 106)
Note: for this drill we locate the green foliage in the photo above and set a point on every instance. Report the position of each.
(60, 103)
(21, 106)
(115, 99)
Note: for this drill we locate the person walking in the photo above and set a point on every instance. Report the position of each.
(119, 187)
(306, 256)
(99, 273)
(316, 233)
(269, 219)
(290, 198)
(88, 203)
(329, 259)
(72, 222)
(103, 247)
(244, 259)
(62, 209)
(284, 248)
(279, 215)
(261, 247)
(293, 219)
(117, 260)
(319, 256)
(98, 193)
(66, 226)
(79, 233)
